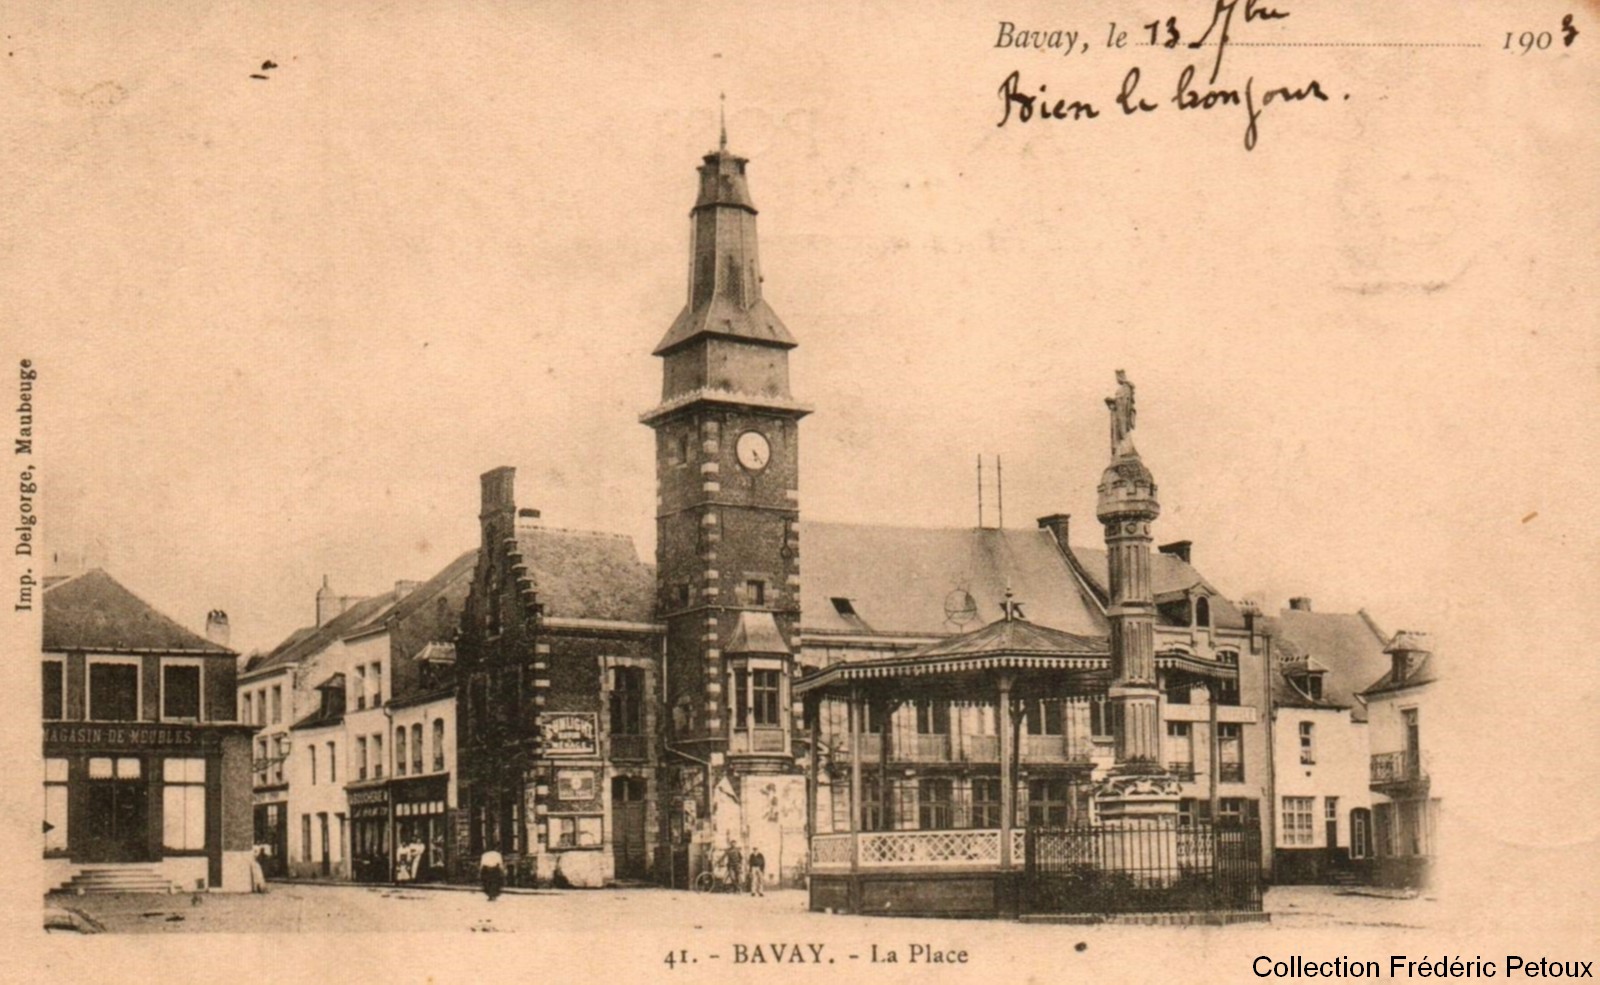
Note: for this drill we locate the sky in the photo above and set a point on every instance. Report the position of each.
(283, 324)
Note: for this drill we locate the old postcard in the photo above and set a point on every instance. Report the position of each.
(1036, 491)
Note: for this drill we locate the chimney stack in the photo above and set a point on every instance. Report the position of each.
(217, 627)
(327, 603)
(1057, 524)
(1300, 604)
(1179, 549)
(499, 491)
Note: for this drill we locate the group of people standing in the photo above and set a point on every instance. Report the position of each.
(492, 874)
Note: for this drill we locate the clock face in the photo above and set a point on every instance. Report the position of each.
(753, 450)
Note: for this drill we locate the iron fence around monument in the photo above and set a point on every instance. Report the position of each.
(1142, 865)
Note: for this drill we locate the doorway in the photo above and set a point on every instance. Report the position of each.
(1360, 833)
(627, 827)
(116, 811)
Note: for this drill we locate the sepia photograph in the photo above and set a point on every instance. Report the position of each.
(1052, 490)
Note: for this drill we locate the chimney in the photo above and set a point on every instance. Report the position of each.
(217, 627)
(1300, 604)
(499, 491)
(1179, 549)
(327, 603)
(1251, 613)
(1057, 524)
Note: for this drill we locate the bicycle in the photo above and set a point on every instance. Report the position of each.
(720, 878)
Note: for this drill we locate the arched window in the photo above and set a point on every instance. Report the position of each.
(1202, 611)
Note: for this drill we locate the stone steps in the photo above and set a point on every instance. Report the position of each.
(122, 879)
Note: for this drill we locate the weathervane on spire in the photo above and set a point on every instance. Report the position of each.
(1122, 412)
(723, 98)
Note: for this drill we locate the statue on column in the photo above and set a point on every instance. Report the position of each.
(1122, 412)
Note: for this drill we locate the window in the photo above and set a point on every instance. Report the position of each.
(933, 718)
(1186, 812)
(1330, 810)
(416, 748)
(121, 768)
(113, 692)
(55, 804)
(1202, 611)
(1227, 691)
(1178, 693)
(1297, 827)
(361, 758)
(1180, 749)
(400, 750)
(311, 753)
(766, 687)
(1308, 744)
(183, 804)
(261, 707)
(280, 752)
(277, 703)
(333, 763)
(55, 691)
(305, 837)
(627, 701)
(1232, 812)
(755, 592)
(1100, 711)
(261, 762)
(935, 811)
(438, 744)
(1043, 717)
(682, 594)
(986, 802)
(577, 832)
(1049, 801)
(1314, 687)
(376, 677)
(361, 688)
(1230, 753)
(377, 757)
(180, 690)
(843, 606)
(245, 715)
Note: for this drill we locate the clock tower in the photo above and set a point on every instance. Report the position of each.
(727, 547)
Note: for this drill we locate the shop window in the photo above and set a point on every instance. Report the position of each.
(55, 690)
(113, 692)
(416, 748)
(1297, 821)
(577, 832)
(1308, 744)
(180, 691)
(438, 744)
(183, 804)
(1044, 717)
(986, 802)
(400, 750)
(55, 805)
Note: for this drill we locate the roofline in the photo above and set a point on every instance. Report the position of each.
(371, 630)
(144, 650)
(603, 625)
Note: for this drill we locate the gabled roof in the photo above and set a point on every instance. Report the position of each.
(93, 612)
(900, 580)
(308, 641)
(1017, 636)
(1347, 644)
(584, 574)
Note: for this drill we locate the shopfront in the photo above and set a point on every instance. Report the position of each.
(147, 794)
(421, 845)
(369, 833)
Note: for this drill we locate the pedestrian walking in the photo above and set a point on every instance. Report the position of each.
(758, 873)
(491, 873)
(735, 861)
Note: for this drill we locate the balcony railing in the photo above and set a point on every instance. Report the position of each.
(1395, 767)
(945, 748)
(1230, 772)
(926, 749)
(630, 747)
(1182, 770)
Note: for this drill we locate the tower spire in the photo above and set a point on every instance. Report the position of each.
(722, 142)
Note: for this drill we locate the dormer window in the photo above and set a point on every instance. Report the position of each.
(843, 606)
(1202, 611)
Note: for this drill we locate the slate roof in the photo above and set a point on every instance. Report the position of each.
(1348, 644)
(1423, 670)
(1170, 578)
(308, 641)
(94, 612)
(722, 316)
(584, 574)
(897, 579)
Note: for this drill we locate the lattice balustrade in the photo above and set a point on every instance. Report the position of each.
(830, 852)
(947, 848)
